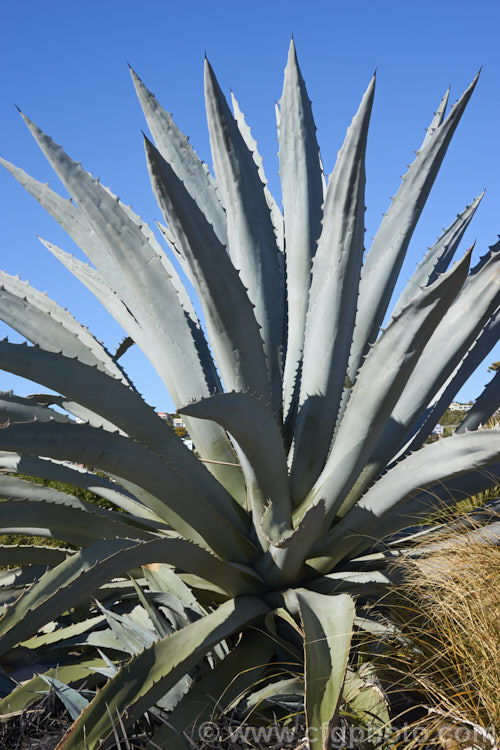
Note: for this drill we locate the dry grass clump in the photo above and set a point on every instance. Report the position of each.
(37, 728)
(448, 613)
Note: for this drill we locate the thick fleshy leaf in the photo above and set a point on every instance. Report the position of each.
(74, 702)
(284, 561)
(169, 494)
(122, 407)
(398, 530)
(81, 574)
(25, 554)
(482, 346)
(276, 215)
(44, 517)
(252, 424)
(20, 409)
(486, 533)
(251, 239)
(445, 350)
(438, 257)
(75, 475)
(147, 676)
(332, 305)
(436, 462)
(29, 692)
(385, 257)
(96, 284)
(42, 321)
(361, 583)
(438, 118)
(484, 407)
(57, 637)
(154, 298)
(74, 222)
(366, 700)
(327, 622)
(178, 152)
(14, 488)
(302, 188)
(235, 339)
(382, 379)
(216, 691)
(276, 693)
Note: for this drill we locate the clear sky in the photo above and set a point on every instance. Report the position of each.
(64, 64)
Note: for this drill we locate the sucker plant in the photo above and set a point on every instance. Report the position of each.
(221, 572)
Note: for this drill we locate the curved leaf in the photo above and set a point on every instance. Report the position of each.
(84, 572)
(75, 475)
(436, 462)
(19, 409)
(154, 298)
(42, 321)
(169, 494)
(251, 422)
(122, 407)
(146, 677)
(25, 554)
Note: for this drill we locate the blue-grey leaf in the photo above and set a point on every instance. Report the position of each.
(332, 305)
(302, 188)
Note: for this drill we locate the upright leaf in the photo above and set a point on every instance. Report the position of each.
(251, 239)
(385, 257)
(155, 299)
(446, 348)
(381, 381)
(487, 339)
(332, 305)
(327, 622)
(302, 188)
(439, 256)
(180, 155)
(276, 215)
(235, 339)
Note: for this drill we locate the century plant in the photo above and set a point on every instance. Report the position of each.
(232, 567)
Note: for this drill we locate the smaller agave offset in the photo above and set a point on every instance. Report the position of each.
(229, 577)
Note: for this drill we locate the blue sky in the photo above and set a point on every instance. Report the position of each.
(64, 64)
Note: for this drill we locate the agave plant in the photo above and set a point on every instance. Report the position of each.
(308, 422)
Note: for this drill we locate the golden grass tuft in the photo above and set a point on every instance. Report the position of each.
(448, 612)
